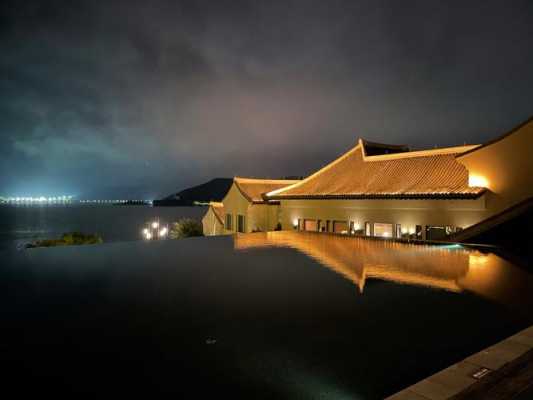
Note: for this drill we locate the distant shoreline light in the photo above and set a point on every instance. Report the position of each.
(66, 199)
(39, 199)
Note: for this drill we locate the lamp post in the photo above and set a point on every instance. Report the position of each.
(155, 230)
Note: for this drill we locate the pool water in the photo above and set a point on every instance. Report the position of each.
(262, 315)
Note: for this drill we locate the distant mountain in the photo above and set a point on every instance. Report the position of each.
(214, 190)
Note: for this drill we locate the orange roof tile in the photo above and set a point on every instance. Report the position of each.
(253, 189)
(417, 174)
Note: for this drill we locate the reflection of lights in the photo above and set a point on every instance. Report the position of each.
(477, 181)
(145, 231)
(163, 232)
(148, 235)
(155, 224)
(477, 260)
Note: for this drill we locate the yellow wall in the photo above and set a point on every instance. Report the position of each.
(507, 166)
(261, 217)
(211, 224)
(408, 213)
(234, 203)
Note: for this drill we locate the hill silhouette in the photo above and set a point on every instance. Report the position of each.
(214, 190)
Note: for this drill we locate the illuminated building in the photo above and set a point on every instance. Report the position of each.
(244, 209)
(389, 191)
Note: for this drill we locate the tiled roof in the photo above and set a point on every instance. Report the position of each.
(417, 174)
(253, 189)
(218, 210)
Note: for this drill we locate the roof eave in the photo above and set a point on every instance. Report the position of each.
(409, 196)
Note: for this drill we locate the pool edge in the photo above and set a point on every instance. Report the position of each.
(478, 374)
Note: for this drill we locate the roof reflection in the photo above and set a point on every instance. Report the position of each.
(451, 268)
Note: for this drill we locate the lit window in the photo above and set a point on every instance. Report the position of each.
(382, 230)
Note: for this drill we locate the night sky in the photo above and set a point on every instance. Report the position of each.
(140, 99)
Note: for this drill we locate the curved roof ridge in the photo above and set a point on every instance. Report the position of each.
(261, 180)
(423, 153)
(260, 186)
(324, 168)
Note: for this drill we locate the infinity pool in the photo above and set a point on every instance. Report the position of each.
(263, 315)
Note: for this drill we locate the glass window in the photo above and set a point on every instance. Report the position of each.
(310, 225)
(382, 230)
(398, 230)
(229, 224)
(340, 226)
(240, 223)
(435, 232)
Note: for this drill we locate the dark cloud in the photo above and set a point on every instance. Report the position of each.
(142, 98)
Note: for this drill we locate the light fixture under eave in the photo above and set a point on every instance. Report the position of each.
(477, 181)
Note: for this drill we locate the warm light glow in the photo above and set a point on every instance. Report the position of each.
(382, 229)
(163, 232)
(295, 222)
(478, 260)
(404, 231)
(477, 181)
(145, 231)
(155, 224)
(356, 226)
(412, 231)
(148, 235)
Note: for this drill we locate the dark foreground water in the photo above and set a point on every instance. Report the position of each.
(23, 224)
(277, 315)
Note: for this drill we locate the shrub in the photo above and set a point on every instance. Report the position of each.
(67, 239)
(76, 238)
(185, 228)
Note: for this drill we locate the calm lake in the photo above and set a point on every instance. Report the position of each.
(261, 315)
(23, 224)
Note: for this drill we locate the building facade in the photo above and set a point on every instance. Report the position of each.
(213, 220)
(388, 191)
(245, 209)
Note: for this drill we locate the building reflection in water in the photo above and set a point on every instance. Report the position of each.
(452, 268)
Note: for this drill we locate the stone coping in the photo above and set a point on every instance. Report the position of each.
(452, 381)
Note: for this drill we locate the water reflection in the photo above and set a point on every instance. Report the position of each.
(451, 268)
